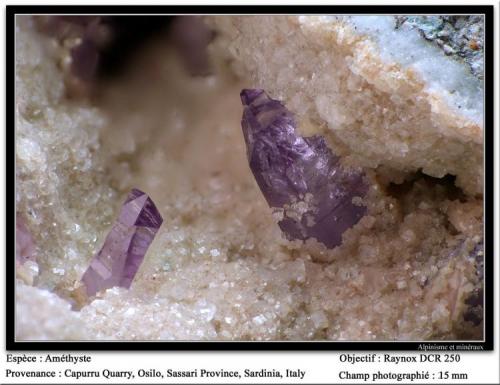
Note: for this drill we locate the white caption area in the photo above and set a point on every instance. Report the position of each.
(303, 368)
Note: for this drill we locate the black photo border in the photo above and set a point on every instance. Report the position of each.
(431, 346)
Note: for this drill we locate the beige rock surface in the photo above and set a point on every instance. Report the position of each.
(219, 268)
(407, 107)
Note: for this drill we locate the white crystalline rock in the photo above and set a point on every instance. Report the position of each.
(443, 75)
(384, 97)
(42, 315)
(60, 179)
(206, 309)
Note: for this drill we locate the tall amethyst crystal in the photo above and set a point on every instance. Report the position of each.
(299, 174)
(125, 246)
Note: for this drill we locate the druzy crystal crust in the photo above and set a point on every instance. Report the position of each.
(320, 198)
(125, 246)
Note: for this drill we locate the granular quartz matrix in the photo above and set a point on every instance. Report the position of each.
(339, 198)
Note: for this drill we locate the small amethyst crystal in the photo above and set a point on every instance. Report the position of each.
(89, 35)
(25, 246)
(299, 174)
(125, 246)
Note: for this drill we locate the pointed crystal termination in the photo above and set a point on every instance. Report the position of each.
(319, 197)
(125, 246)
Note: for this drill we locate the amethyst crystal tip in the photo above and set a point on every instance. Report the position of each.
(299, 175)
(119, 259)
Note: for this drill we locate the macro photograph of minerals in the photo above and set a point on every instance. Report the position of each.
(249, 178)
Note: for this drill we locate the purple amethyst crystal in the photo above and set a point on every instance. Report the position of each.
(91, 34)
(25, 247)
(299, 174)
(125, 246)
